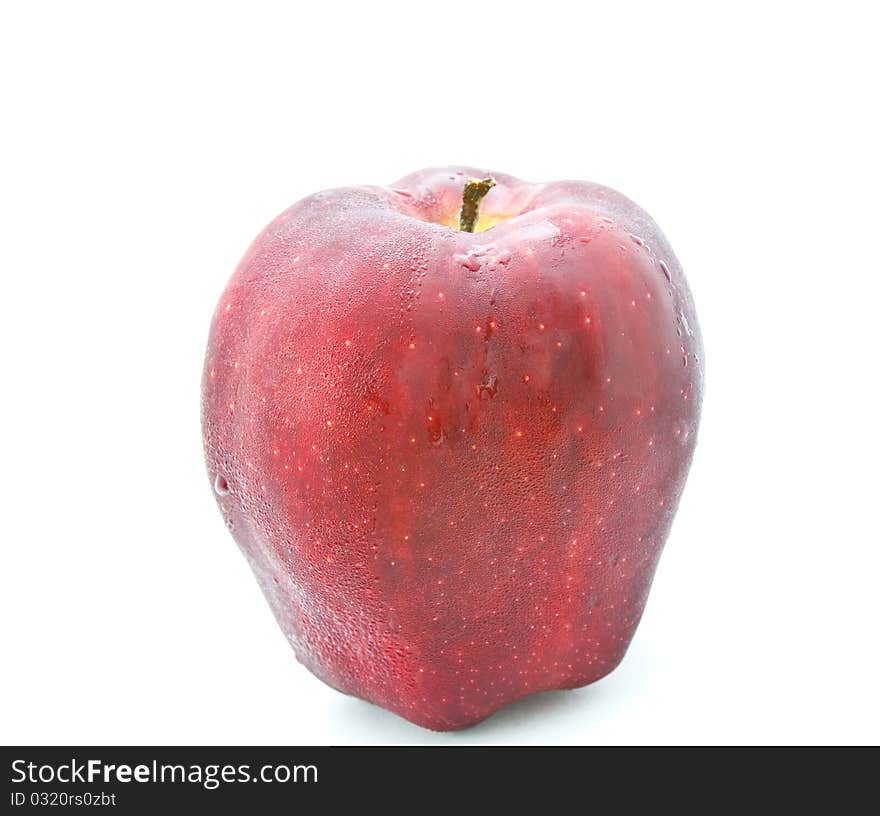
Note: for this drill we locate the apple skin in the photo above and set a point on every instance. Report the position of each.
(452, 459)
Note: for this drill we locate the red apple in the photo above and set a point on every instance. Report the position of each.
(452, 457)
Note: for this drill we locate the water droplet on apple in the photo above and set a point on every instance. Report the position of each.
(221, 486)
(435, 426)
(469, 261)
(488, 388)
(685, 325)
(665, 270)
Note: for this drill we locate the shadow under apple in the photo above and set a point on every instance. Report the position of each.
(366, 722)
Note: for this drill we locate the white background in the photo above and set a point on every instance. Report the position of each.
(144, 146)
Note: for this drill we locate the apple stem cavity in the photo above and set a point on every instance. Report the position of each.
(474, 192)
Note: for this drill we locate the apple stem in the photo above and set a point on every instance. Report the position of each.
(474, 192)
